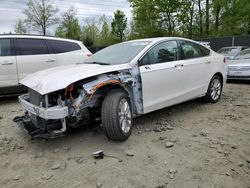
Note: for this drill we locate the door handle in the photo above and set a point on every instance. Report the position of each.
(207, 62)
(50, 60)
(178, 65)
(7, 63)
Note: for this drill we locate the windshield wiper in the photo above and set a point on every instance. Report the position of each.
(99, 63)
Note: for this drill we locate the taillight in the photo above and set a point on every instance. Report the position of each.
(224, 60)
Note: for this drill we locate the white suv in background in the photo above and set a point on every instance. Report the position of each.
(21, 55)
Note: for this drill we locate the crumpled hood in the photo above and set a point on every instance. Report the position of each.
(239, 62)
(53, 79)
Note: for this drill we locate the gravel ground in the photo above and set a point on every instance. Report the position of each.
(191, 145)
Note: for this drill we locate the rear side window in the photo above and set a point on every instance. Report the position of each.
(5, 47)
(63, 46)
(31, 46)
(191, 50)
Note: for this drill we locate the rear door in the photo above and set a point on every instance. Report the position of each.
(197, 65)
(8, 70)
(33, 55)
(68, 52)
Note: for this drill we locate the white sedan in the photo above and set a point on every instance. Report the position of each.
(118, 83)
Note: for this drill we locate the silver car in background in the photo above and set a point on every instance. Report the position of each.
(239, 67)
(231, 52)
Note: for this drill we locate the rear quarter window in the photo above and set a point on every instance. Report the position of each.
(63, 46)
(191, 50)
(204, 51)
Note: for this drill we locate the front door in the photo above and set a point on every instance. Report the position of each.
(8, 70)
(197, 64)
(163, 76)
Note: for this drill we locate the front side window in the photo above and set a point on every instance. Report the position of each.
(163, 52)
(5, 47)
(59, 46)
(191, 50)
(32, 46)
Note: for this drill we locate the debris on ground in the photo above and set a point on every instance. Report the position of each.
(79, 160)
(98, 185)
(203, 133)
(169, 144)
(130, 154)
(56, 166)
(172, 171)
(98, 154)
(46, 176)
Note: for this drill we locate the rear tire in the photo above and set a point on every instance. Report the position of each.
(117, 116)
(214, 90)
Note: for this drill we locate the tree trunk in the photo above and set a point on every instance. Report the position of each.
(207, 17)
(200, 15)
(217, 16)
(190, 33)
(169, 23)
(43, 17)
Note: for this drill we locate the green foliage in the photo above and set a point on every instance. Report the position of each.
(189, 18)
(151, 18)
(105, 37)
(119, 24)
(145, 19)
(69, 26)
(20, 27)
(40, 15)
(90, 33)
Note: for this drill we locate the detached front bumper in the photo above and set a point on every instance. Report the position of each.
(39, 121)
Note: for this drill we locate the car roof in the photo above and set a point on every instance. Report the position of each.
(157, 39)
(36, 37)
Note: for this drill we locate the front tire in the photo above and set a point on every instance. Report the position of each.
(214, 89)
(117, 116)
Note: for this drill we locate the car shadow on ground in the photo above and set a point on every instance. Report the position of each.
(238, 81)
(8, 99)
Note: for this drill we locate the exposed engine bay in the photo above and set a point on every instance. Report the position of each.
(50, 115)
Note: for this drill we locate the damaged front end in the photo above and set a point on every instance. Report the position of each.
(50, 115)
(40, 120)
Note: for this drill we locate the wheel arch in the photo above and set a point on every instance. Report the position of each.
(108, 88)
(221, 77)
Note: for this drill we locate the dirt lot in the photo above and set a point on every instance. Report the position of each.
(192, 145)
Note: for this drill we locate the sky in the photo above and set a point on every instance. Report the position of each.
(12, 10)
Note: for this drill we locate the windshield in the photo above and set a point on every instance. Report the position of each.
(228, 51)
(119, 53)
(245, 54)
